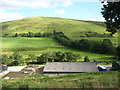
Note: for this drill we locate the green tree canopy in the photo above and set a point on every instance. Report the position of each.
(118, 52)
(111, 13)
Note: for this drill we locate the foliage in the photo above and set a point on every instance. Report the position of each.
(31, 34)
(111, 12)
(58, 57)
(6, 60)
(32, 57)
(23, 87)
(17, 56)
(95, 34)
(86, 59)
(12, 60)
(107, 47)
(14, 63)
(104, 47)
(118, 52)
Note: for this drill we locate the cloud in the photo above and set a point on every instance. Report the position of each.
(55, 5)
(5, 16)
(60, 12)
(14, 4)
(67, 3)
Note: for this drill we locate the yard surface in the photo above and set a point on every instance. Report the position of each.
(82, 80)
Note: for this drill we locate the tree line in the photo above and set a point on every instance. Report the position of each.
(95, 34)
(48, 34)
(31, 34)
(103, 47)
(56, 56)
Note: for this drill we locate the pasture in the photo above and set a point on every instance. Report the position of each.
(22, 42)
(82, 80)
(69, 27)
(37, 46)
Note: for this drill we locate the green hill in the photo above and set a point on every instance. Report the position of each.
(70, 27)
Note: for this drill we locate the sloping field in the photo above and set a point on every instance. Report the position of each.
(36, 46)
(22, 43)
(70, 27)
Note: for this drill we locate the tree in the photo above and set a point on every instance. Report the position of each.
(5, 59)
(17, 56)
(30, 34)
(84, 45)
(118, 52)
(58, 56)
(86, 59)
(111, 13)
(107, 47)
(32, 57)
(16, 35)
(15, 63)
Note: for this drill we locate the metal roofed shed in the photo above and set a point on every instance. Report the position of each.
(56, 68)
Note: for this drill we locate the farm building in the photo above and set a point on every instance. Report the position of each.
(61, 68)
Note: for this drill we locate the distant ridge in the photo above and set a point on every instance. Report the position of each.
(70, 27)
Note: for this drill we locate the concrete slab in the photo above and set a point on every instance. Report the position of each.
(15, 68)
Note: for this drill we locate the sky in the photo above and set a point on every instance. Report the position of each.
(73, 9)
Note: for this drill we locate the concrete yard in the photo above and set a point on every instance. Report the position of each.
(11, 69)
(15, 68)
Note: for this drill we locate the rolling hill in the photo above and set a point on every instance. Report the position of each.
(36, 46)
(70, 27)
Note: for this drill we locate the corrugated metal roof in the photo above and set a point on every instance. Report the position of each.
(70, 67)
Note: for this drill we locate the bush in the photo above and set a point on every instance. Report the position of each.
(86, 59)
(23, 87)
(14, 63)
(58, 57)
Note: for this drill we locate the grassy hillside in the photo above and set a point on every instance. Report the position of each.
(71, 28)
(82, 80)
(37, 46)
(22, 43)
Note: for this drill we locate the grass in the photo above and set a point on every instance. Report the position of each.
(113, 40)
(37, 46)
(82, 80)
(22, 42)
(70, 27)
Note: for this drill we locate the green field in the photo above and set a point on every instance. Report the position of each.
(113, 40)
(37, 46)
(23, 42)
(82, 80)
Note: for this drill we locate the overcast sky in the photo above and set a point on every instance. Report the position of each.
(74, 9)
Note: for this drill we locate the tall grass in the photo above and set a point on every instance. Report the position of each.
(82, 80)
